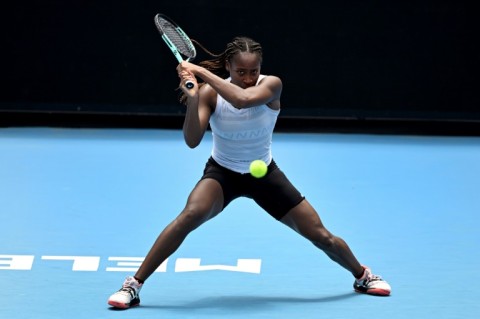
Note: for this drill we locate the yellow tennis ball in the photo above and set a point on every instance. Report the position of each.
(258, 168)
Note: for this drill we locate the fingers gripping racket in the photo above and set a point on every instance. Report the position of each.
(176, 40)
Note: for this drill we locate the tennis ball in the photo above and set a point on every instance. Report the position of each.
(258, 168)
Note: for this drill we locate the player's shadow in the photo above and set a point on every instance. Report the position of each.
(252, 303)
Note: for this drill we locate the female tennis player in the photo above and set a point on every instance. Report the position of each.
(241, 105)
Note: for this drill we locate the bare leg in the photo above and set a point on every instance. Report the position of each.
(204, 202)
(305, 220)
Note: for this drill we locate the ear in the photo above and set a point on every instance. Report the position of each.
(227, 66)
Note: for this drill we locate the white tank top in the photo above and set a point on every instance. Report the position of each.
(242, 135)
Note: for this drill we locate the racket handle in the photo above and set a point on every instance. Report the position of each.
(189, 85)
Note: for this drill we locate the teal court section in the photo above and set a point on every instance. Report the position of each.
(80, 207)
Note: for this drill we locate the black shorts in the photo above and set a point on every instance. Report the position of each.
(273, 192)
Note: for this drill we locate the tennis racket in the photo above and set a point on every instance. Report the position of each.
(177, 40)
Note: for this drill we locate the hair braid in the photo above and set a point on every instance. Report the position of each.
(216, 65)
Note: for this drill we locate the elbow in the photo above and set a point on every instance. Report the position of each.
(191, 144)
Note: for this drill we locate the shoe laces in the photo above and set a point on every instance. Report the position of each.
(128, 290)
(130, 287)
(369, 278)
(373, 277)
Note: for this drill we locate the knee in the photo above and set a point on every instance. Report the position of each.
(191, 217)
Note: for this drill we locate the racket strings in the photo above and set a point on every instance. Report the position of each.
(178, 38)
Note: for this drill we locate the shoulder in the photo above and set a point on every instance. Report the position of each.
(271, 80)
(272, 83)
(208, 95)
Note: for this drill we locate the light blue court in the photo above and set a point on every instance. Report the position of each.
(81, 207)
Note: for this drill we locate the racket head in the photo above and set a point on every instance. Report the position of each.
(168, 28)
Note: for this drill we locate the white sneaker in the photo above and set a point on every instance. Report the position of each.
(372, 284)
(128, 296)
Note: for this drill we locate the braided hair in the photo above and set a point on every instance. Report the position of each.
(217, 64)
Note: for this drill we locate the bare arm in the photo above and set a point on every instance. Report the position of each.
(200, 104)
(268, 91)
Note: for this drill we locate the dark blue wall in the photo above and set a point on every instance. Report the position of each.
(346, 59)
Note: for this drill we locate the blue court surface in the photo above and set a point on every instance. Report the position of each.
(81, 207)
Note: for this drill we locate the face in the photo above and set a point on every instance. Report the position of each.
(244, 69)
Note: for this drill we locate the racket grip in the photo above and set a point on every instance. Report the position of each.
(189, 84)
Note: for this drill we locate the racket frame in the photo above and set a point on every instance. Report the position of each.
(171, 45)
